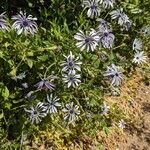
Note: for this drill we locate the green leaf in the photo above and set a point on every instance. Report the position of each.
(106, 130)
(13, 72)
(1, 54)
(4, 91)
(8, 105)
(30, 4)
(30, 54)
(30, 63)
(17, 101)
(42, 1)
(43, 58)
(7, 44)
(1, 115)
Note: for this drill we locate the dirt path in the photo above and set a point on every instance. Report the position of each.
(135, 101)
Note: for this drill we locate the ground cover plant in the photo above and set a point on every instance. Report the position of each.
(58, 59)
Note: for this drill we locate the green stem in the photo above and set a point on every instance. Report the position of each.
(79, 104)
(4, 117)
(107, 14)
(118, 46)
(45, 74)
(111, 55)
(21, 61)
(21, 141)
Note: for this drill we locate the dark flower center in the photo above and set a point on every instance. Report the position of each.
(45, 80)
(70, 63)
(137, 57)
(25, 23)
(71, 78)
(120, 15)
(106, 34)
(117, 74)
(134, 45)
(128, 24)
(93, 7)
(35, 112)
(88, 40)
(104, 23)
(51, 103)
(71, 111)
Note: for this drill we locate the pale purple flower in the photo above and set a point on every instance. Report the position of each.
(93, 8)
(106, 38)
(107, 3)
(52, 104)
(123, 19)
(36, 113)
(71, 63)
(72, 79)
(115, 74)
(88, 40)
(24, 24)
(103, 25)
(71, 112)
(47, 83)
(3, 22)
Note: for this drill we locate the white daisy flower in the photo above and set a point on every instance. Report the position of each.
(120, 15)
(93, 7)
(115, 73)
(36, 113)
(46, 83)
(105, 108)
(106, 38)
(88, 40)
(3, 22)
(72, 79)
(71, 63)
(107, 3)
(71, 112)
(139, 57)
(24, 24)
(137, 45)
(127, 25)
(121, 124)
(52, 104)
(146, 30)
(103, 25)
(123, 19)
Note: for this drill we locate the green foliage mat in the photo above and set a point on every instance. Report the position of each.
(41, 55)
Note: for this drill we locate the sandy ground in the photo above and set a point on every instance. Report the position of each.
(135, 101)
